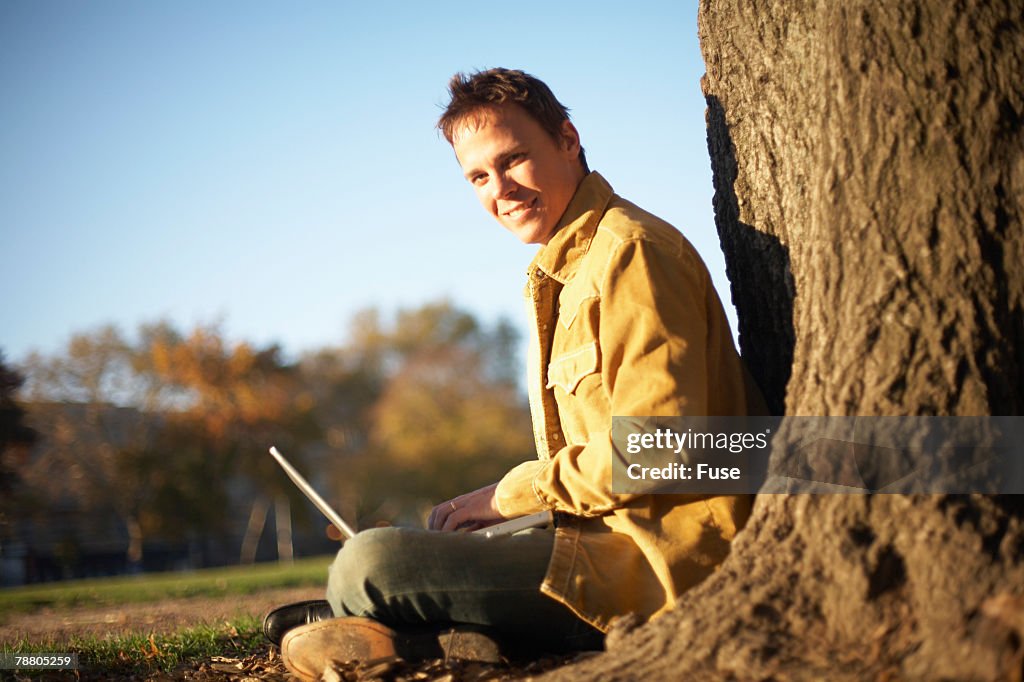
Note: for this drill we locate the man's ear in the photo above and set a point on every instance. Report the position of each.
(570, 139)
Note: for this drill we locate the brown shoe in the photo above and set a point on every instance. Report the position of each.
(310, 649)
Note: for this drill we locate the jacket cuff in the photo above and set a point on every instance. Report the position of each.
(515, 494)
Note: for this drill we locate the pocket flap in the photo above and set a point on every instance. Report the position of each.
(571, 302)
(568, 370)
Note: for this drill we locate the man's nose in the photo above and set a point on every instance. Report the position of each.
(504, 186)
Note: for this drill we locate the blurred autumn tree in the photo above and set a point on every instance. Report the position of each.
(15, 437)
(157, 430)
(236, 401)
(91, 411)
(168, 432)
(444, 414)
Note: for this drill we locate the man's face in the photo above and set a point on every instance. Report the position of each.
(522, 176)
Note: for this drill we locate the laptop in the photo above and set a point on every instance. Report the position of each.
(538, 520)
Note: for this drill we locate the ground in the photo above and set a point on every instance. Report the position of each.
(172, 615)
(163, 617)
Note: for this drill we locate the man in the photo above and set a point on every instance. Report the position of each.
(625, 322)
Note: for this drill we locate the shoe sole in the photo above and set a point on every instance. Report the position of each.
(362, 639)
(310, 649)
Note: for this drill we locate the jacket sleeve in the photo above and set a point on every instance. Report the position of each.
(652, 338)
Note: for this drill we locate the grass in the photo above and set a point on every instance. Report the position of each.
(137, 654)
(211, 582)
(132, 655)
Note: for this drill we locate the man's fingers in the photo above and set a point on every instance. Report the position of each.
(469, 511)
(439, 515)
(333, 533)
(455, 519)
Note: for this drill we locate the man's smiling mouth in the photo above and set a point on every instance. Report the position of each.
(521, 208)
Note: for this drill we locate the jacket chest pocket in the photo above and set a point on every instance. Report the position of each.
(574, 350)
(568, 369)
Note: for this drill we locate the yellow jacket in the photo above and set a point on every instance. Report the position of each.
(626, 323)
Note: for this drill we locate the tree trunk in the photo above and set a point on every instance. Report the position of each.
(868, 162)
(283, 524)
(135, 538)
(253, 531)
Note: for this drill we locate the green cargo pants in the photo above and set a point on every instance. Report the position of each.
(411, 578)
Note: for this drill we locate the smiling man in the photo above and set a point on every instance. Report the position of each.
(523, 175)
(625, 322)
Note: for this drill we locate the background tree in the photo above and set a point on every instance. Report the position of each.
(93, 413)
(446, 414)
(15, 438)
(235, 401)
(165, 431)
(868, 165)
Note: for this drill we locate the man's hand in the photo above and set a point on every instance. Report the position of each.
(477, 509)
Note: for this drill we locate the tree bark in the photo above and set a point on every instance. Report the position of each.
(868, 161)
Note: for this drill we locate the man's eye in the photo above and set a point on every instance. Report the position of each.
(478, 179)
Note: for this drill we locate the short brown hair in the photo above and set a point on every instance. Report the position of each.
(471, 93)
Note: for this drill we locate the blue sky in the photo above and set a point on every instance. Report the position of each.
(274, 166)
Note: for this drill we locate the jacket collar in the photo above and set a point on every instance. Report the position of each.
(560, 257)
